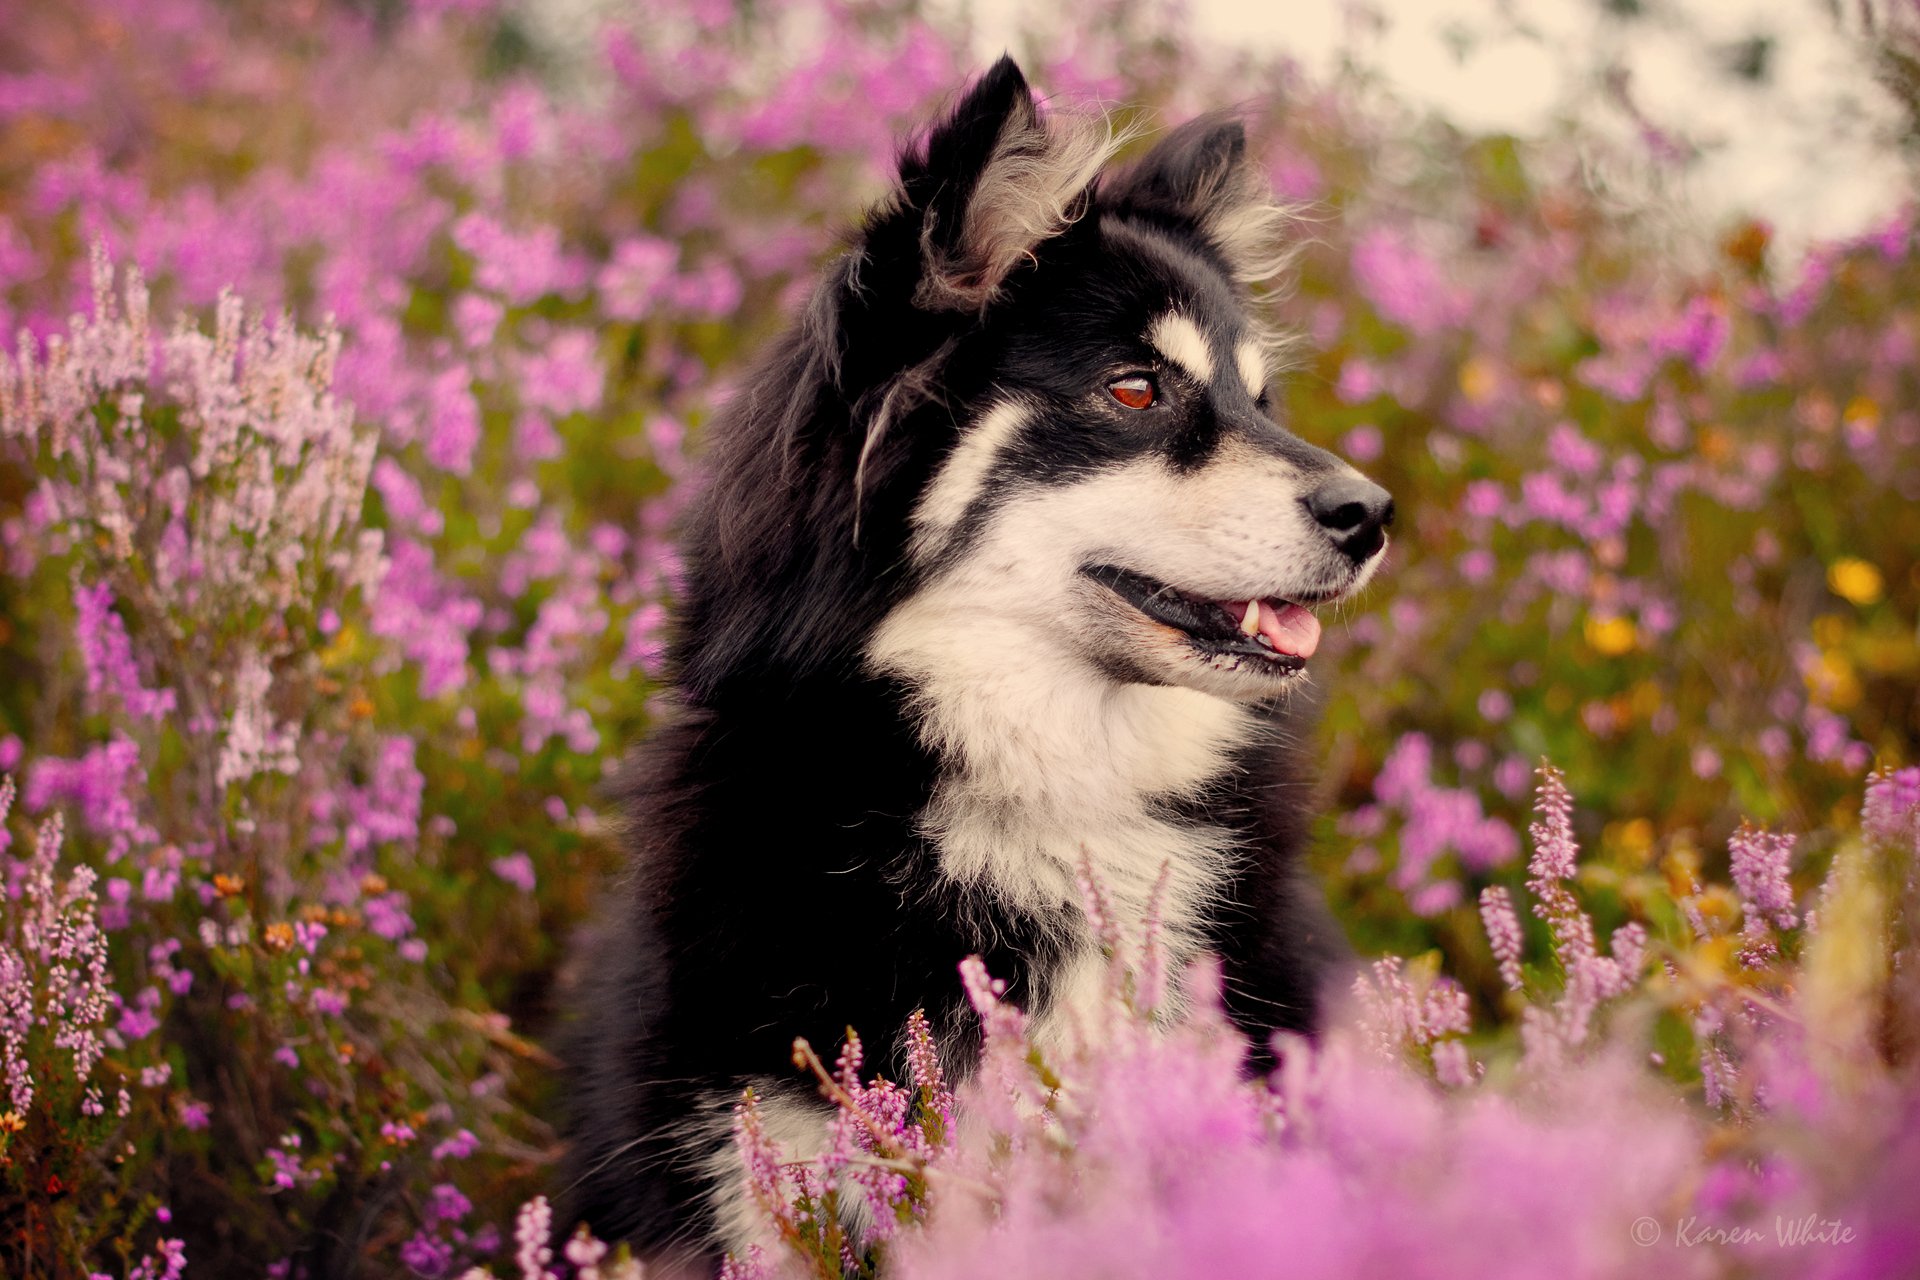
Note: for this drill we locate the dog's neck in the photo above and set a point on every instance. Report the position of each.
(1048, 761)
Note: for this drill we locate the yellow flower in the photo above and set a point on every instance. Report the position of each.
(1479, 380)
(1830, 630)
(1862, 414)
(1633, 839)
(1855, 581)
(1832, 681)
(342, 649)
(10, 1122)
(1612, 636)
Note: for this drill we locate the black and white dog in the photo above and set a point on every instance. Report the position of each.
(1004, 564)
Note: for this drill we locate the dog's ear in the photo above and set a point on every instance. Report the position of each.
(991, 183)
(1198, 176)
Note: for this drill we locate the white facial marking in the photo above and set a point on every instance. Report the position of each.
(1253, 367)
(964, 474)
(1181, 342)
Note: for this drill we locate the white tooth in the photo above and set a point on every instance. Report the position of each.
(1251, 623)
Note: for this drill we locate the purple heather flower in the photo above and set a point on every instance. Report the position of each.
(1432, 899)
(168, 1265)
(564, 378)
(1363, 444)
(16, 1024)
(1503, 933)
(1403, 283)
(1359, 381)
(633, 279)
(1395, 1016)
(458, 1147)
(107, 655)
(426, 1255)
(1451, 1065)
(476, 318)
(386, 915)
(418, 608)
(138, 1021)
(1760, 861)
(1698, 336)
(1891, 814)
(405, 502)
(453, 423)
(517, 870)
(997, 1017)
(287, 1171)
(520, 267)
(99, 784)
(584, 1252)
(1477, 565)
(1554, 849)
(446, 1203)
(1437, 820)
(1573, 452)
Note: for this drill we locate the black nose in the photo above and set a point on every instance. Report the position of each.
(1354, 511)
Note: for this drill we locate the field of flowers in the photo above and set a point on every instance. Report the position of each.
(363, 354)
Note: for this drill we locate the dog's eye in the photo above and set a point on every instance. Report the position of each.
(1136, 392)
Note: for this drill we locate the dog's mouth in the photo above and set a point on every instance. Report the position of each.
(1278, 635)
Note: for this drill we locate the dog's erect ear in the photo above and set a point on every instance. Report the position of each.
(1199, 176)
(992, 182)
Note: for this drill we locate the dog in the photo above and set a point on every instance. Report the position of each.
(1004, 563)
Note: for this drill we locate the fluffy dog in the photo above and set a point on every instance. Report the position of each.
(1004, 564)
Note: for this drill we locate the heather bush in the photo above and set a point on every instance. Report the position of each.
(363, 350)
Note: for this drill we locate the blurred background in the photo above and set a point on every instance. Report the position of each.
(1620, 297)
(1795, 107)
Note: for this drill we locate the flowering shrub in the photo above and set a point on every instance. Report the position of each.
(199, 504)
(327, 600)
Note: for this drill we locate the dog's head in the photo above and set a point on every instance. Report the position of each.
(1031, 407)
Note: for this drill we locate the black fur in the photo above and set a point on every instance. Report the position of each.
(779, 886)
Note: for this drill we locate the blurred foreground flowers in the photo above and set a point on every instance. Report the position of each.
(1404, 1143)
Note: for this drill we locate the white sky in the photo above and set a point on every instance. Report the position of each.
(1803, 151)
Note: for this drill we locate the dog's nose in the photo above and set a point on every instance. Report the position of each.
(1354, 511)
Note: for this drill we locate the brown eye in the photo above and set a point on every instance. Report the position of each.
(1135, 392)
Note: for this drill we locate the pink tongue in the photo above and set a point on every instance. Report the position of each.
(1289, 629)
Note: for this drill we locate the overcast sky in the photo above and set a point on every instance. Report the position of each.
(1804, 149)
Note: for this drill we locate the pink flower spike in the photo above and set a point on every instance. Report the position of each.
(1503, 933)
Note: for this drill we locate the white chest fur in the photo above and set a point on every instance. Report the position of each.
(1050, 762)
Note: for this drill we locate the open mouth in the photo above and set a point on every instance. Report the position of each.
(1279, 635)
